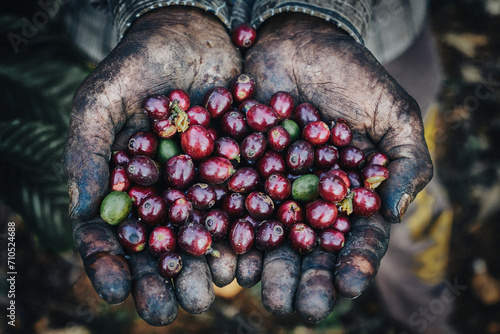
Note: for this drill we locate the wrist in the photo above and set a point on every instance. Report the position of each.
(185, 19)
(290, 24)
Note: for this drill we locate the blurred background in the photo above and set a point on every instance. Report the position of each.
(39, 70)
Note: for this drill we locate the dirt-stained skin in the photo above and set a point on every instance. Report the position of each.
(182, 47)
(154, 296)
(319, 64)
(193, 286)
(359, 260)
(316, 295)
(280, 278)
(223, 268)
(249, 269)
(175, 47)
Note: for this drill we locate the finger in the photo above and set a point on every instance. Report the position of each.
(358, 261)
(249, 269)
(316, 295)
(280, 278)
(154, 296)
(193, 286)
(103, 259)
(223, 267)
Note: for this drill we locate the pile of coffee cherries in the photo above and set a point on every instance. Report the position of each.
(234, 168)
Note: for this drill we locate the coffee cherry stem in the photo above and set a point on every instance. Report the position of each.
(212, 252)
(181, 119)
(346, 204)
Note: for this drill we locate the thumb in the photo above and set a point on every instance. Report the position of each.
(95, 120)
(410, 167)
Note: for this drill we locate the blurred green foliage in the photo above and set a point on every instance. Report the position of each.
(36, 90)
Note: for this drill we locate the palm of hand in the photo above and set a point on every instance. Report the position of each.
(318, 64)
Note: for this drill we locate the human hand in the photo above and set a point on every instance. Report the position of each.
(174, 47)
(320, 64)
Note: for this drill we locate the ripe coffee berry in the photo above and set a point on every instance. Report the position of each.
(143, 170)
(377, 158)
(171, 195)
(283, 103)
(227, 148)
(261, 117)
(215, 170)
(120, 158)
(162, 239)
(217, 223)
(351, 157)
(331, 240)
(342, 224)
(197, 142)
(278, 138)
(194, 239)
(156, 106)
(233, 124)
(118, 180)
(170, 264)
(180, 171)
(305, 113)
(270, 234)
(290, 213)
(217, 101)
(152, 210)
(321, 214)
(302, 238)
(365, 202)
(278, 187)
(244, 180)
(325, 156)
(316, 133)
(341, 134)
(373, 175)
(332, 188)
(180, 211)
(132, 235)
(244, 36)
(198, 116)
(234, 205)
(139, 193)
(253, 146)
(202, 196)
(270, 163)
(241, 236)
(180, 97)
(143, 143)
(259, 205)
(243, 88)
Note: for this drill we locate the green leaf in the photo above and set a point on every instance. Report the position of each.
(32, 179)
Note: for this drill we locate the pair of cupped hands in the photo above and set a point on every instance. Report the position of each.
(183, 47)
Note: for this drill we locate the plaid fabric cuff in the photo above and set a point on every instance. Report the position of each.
(352, 16)
(126, 11)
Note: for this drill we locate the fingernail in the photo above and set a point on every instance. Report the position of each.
(403, 204)
(73, 197)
